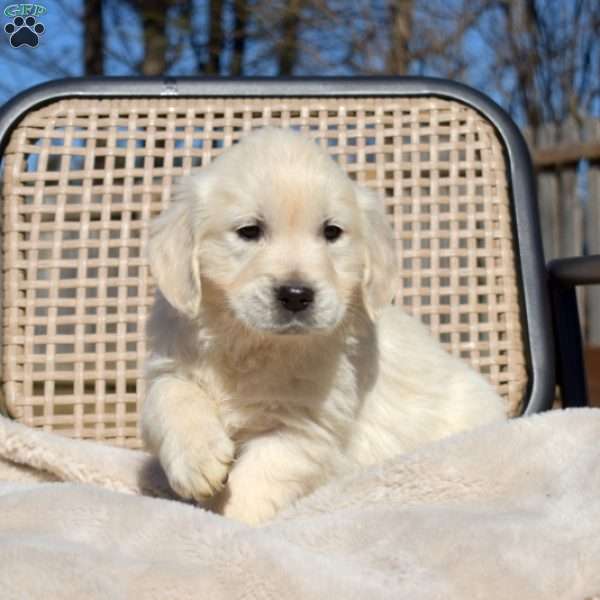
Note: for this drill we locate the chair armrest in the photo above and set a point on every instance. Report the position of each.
(564, 275)
(582, 270)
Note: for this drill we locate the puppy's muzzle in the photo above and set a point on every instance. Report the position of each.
(295, 297)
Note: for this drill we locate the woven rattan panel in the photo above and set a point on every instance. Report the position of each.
(82, 178)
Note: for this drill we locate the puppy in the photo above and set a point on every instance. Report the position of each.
(276, 360)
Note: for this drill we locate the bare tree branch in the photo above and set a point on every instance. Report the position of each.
(216, 38)
(93, 38)
(399, 56)
(154, 24)
(288, 48)
(240, 11)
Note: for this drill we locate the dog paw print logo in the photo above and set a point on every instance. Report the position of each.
(24, 32)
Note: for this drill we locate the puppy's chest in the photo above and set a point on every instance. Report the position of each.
(262, 400)
(275, 395)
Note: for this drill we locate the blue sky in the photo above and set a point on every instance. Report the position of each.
(60, 51)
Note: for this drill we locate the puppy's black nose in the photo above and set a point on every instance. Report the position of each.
(295, 297)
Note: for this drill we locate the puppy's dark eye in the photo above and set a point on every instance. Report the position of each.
(332, 232)
(250, 233)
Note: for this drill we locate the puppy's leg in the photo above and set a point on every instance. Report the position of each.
(181, 425)
(272, 472)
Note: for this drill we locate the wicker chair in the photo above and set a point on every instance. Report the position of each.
(88, 162)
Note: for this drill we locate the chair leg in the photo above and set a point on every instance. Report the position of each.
(569, 347)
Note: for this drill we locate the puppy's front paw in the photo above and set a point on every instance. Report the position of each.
(249, 510)
(252, 497)
(197, 463)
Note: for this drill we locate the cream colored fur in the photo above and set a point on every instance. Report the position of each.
(250, 407)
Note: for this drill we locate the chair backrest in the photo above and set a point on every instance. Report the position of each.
(86, 165)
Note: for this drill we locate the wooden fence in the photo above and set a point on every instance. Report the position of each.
(567, 161)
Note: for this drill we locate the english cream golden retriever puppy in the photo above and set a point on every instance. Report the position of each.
(276, 360)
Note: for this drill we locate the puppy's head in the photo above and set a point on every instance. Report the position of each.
(277, 229)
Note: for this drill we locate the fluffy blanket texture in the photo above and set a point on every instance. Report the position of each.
(507, 511)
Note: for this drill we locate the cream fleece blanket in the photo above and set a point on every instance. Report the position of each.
(507, 511)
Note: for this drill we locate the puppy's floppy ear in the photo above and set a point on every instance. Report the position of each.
(381, 270)
(173, 260)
